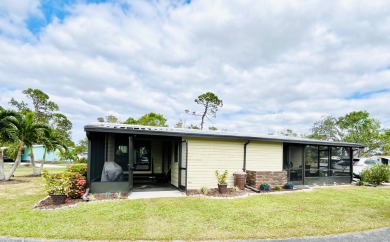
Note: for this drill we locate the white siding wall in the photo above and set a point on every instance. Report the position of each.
(207, 155)
(264, 156)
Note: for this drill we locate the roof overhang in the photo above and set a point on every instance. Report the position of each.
(196, 133)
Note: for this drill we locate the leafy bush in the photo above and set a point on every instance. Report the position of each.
(77, 188)
(204, 190)
(236, 189)
(81, 160)
(376, 174)
(221, 177)
(360, 183)
(288, 185)
(56, 184)
(265, 187)
(73, 184)
(79, 168)
(277, 188)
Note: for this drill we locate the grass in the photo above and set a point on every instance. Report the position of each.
(320, 212)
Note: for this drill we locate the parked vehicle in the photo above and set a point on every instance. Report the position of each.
(83, 155)
(363, 164)
(7, 159)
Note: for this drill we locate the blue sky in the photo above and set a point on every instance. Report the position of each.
(276, 65)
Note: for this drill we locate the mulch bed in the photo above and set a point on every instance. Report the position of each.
(213, 192)
(48, 204)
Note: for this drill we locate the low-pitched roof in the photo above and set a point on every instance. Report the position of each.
(196, 133)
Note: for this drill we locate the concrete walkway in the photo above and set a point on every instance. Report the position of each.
(155, 194)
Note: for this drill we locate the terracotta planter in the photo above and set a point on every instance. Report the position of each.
(222, 188)
(58, 198)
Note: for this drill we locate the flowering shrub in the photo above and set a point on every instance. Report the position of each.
(72, 184)
(265, 187)
(77, 188)
(56, 184)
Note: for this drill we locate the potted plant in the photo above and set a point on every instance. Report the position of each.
(56, 186)
(222, 181)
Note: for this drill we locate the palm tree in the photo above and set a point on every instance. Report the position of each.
(26, 131)
(6, 134)
(51, 142)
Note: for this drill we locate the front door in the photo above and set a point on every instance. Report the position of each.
(131, 163)
(183, 166)
(295, 159)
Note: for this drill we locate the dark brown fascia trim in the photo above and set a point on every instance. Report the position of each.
(171, 133)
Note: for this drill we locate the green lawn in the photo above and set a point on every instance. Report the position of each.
(323, 211)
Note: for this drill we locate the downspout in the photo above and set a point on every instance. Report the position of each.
(244, 165)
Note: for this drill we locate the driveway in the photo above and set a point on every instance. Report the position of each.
(377, 235)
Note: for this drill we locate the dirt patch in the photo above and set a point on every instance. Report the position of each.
(13, 181)
(31, 175)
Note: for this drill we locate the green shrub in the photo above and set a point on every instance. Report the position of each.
(376, 174)
(56, 184)
(360, 183)
(79, 168)
(81, 160)
(236, 189)
(221, 177)
(289, 186)
(204, 190)
(73, 184)
(265, 187)
(277, 188)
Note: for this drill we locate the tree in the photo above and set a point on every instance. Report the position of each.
(385, 139)
(289, 132)
(326, 129)
(153, 119)
(108, 119)
(52, 141)
(42, 106)
(149, 119)
(6, 135)
(210, 103)
(358, 127)
(179, 124)
(23, 129)
(82, 146)
(45, 113)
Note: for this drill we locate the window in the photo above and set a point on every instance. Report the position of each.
(142, 159)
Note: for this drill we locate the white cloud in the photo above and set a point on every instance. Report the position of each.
(275, 64)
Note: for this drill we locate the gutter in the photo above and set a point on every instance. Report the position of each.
(244, 165)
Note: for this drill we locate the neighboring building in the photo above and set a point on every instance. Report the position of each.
(188, 158)
(38, 154)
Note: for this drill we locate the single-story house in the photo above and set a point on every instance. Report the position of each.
(187, 158)
(38, 154)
